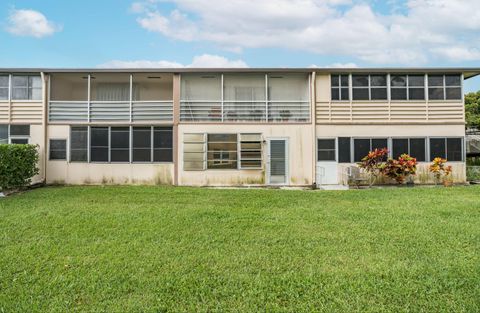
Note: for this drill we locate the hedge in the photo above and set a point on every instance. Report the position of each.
(18, 164)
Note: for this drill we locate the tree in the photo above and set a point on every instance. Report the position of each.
(472, 109)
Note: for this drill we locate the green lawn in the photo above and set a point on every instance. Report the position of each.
(165, 249)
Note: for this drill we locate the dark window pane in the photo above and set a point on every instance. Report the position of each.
(435, 93)
(416, 93)
(326, 155)
(3, 134)
(344, 150)
(99, 144)
(454, 149)
(162, 137)
(344, 80)
(454, 93)
(19, 141)
(437, 148)
(325, 144)
(142, 137)
(398, 81)
(379, 143)
(3, 93)
(79, 144)
(398, 93)
(435, 80)
(360, 80)
(162, 155)
(20, 81)
(335, 94)
(335, 80)
(222, 137)
(120, 144)
(417, 149)
(360, 94)
(453, 80)
(58, 149)
(379, 93)
(142, 149)
(378, 80)
(344, 95)
(19, 130)
(141, 155)
(399, 147)
(416, 80)
(361, 149)
(99, 154)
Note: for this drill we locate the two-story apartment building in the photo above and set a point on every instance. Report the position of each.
(293, 127)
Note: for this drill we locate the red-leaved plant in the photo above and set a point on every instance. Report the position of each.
(373, 163)
(400, 169)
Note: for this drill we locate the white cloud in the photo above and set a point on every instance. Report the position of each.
(30, 23)
(426, 30)
(201, 61)
(336, 65)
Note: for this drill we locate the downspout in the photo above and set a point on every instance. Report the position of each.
(313, 98)
(176, 119)
(45, 79)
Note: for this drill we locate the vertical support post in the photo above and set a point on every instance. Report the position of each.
(266, 98)
(131, 97)
(88, 98)
(176, 121)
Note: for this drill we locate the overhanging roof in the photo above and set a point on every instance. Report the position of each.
(468, 72)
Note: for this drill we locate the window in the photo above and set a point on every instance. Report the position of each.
(447, 148)
(407, 87)
(222, 151)
(339, 87)
(142, 144)
(79, 144)
(120, 144)
(444, 87)
(369, 87)
(162, 144)
(3, 134)
(244, 97)
(99, 144)
(58, 149)
(344, 150)
(194, 152)
(4, 86)
(201, 97)
(19, 134)
(250, 151)
(363, 146)
(326, 150)
(414, 147)
(26, 87)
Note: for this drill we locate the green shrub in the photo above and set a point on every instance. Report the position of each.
(18, 164)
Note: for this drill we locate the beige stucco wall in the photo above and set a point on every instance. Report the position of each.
(37, 138)
(64, 172)
(300, 155)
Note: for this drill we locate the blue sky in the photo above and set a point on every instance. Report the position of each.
(239, 33)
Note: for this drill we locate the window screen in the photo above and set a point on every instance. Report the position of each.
(445, 87)
(120, 144)
(344, 153)
(399, 147)
(417, 149)
(222, 151)
(19, 130)
(99, 144)
(288, 87)
(4, 86)
(3, 134)
(437, 148)
(454, 149)
(361, 148)
(326, 150)
(162, 144)
(58, 149)
(194, 151)
(142, 145)
(79, 144)
(19, 141)
(339, 87)
(25, 87)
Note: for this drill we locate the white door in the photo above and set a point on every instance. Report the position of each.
(327, 165)
(277, 173)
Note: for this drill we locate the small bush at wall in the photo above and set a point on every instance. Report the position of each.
(373, 163)
(400, 169)
(18, 164)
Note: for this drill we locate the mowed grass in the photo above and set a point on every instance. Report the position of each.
(166, 249)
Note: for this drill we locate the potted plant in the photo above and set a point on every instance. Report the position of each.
(441, 172)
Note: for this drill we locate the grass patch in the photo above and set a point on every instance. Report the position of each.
(166, 249)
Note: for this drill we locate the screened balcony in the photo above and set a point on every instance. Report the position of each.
(245, 97)
(111, 97)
